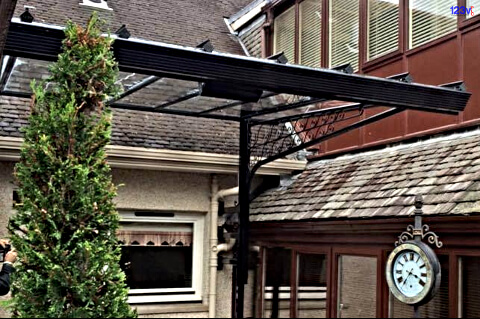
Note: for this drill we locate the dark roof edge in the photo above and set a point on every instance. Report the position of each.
(246, 10)
(400, 143)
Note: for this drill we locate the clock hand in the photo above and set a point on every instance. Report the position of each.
(409, 274)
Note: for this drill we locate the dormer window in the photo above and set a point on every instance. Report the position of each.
(97, 4)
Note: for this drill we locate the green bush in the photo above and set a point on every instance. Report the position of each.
(65, 231)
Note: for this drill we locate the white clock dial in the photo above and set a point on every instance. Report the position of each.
(410, 273)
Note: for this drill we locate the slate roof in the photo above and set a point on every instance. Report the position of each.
(142, 129)
(446, 171)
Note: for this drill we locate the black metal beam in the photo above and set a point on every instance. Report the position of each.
(285, 107)
(41, 42)
(6, 73)
(233, 104)
(140, 85)
(152, 109)
(244, 179)
(369, 120)
(186, 97)
(7, 8)
(23, 95)
(296, 117)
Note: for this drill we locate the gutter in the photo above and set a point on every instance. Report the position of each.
(170, 160)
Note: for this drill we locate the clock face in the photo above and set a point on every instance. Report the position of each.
(413, 273)
(410, 273)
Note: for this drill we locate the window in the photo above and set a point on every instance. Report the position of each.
(277, 283)
(284, 34)
(97, 4)
(475, 4)
(469, 282)
(430, 19)
(310, 39)
(357, 287)
(312, 286)
(383, 27)
(309, 35)
(160, 258)
(344, 32)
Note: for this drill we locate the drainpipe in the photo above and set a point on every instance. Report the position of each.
(215, 247)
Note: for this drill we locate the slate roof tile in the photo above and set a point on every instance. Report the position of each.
(446, 171)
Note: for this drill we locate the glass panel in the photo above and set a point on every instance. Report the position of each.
(344, 29)
(277, 283)
(157, 255)
(310, 32)
(436, 308)
(357, 289)
(383, 27)
(470, 282)
(312, 286)
(284, 34)
(474, 5)
(430, 19)
(24, 71)
(159, 92)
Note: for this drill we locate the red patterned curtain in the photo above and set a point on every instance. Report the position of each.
(155, 238)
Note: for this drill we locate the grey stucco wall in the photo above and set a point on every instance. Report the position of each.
(158, 190)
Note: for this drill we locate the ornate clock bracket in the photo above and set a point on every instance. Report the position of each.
(419, 231)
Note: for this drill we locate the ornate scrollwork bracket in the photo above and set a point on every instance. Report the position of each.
(419, 232)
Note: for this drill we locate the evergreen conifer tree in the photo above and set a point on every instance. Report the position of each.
(65, 231)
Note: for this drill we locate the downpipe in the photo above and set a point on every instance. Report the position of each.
(215, 248)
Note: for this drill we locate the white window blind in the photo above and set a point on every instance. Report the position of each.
(310, 32)
(476, 5)
(344, 28)
(383, 27)
(430, 19)
(284, 34)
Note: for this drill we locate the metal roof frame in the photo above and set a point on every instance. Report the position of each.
(252, 75)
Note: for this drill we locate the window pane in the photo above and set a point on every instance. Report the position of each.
(312, 286)
(430, 19)
(436, 308)
(344, 28)
(470, 284)
(475, 4)
(157, 255)
(284, 34)
(277, 283)
(310, 32)
(357, 287)
(383, 27)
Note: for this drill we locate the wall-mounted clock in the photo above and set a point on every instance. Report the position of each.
(413, 273)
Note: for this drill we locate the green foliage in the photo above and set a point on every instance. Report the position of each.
(65, 232)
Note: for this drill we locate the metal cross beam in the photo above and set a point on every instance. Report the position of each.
(153, 58)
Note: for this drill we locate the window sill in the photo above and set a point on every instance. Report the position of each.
(382, 60)
(465, 23)
(169, 308)
(432, 43)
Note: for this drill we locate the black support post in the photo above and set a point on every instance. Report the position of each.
(244, 200)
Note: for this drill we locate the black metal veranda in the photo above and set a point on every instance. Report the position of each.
(280, 107)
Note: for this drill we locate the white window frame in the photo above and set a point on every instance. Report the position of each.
(179, 294)
(102, 5)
